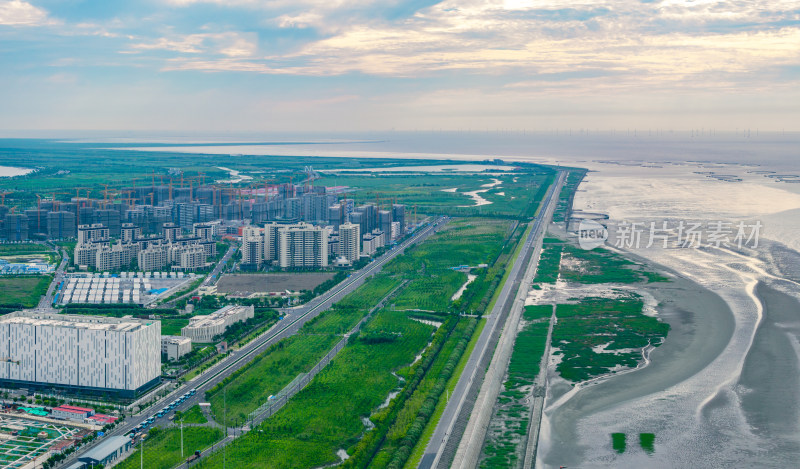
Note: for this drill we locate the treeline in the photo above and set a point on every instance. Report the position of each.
(238, 330)
(371, 443)
(118, 310)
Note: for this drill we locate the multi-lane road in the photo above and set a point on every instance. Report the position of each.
(46, 302)
(292, 322)
(445, 439)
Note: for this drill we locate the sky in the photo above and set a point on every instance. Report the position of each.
(355, 65)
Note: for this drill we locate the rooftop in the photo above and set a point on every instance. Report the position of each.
(72, 407)
(217, 316)
(106, 448)
(74, 321)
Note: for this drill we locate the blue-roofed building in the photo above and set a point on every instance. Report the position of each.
(107, 451)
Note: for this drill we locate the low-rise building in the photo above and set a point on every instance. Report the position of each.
(174, 347)
(108, 451)
(204, 329)
(68, 412)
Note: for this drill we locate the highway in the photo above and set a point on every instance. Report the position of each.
(293, 320)
(46, 302)
(446, 437)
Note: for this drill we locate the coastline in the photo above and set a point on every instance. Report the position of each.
(694, 341)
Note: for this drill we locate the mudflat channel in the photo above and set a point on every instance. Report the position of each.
(701, 325)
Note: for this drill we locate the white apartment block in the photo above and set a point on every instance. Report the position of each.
(350, 241)
(303, 245)
(86, 254)
(203, 329)
(116, 256)
(92, 233)
(297, 245)
(152, 253)
(252, 246)
(174, 347)
(153, 258)
(368, 246)
(379, 238)
(191, 257)
(204, 231)
(271, 247)
(116, 355)
(397, 230)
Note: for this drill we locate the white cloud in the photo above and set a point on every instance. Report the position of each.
(229, 44)
(19, 13)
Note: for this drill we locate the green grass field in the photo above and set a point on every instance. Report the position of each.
(173, 326)
(162, 448)
(268, 373)
(327, 415)
(509, 424)
(22, 249)
(23, 291)
(615, 324)
(193, 415)
(517, 195)
(603, 266)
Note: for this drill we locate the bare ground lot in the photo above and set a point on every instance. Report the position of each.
(266, 283)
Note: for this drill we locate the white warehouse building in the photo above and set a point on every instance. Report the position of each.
(203, 329)
(120, 356)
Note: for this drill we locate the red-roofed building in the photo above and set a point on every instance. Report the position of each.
(62, 446)
(69, 412)
(103, 419)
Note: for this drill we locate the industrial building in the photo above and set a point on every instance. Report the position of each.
(95, 354)
(204, 329)
(108, 451)
(174, 347)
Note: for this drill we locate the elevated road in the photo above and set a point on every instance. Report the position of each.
(446, 437)
(293, 320)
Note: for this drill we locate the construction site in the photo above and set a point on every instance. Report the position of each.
(186, 201)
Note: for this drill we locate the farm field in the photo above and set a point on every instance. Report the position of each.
(23, 291)
(162, 448)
